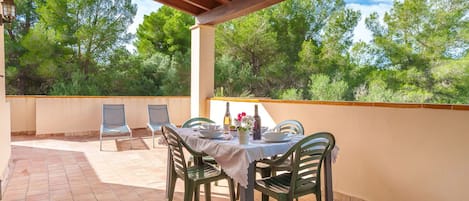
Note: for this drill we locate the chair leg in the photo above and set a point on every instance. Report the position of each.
(238, 188)
(153, 138)
(265, 197)
(208, 192)
(216, 182)
(197, 193)
(130, 138)
(100, 142)
(318, 194)
(231, 186)
(189, 193)
(172, 186)
(265, 172)
(318, 197)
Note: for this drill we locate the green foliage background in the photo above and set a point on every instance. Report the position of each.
(296, 50)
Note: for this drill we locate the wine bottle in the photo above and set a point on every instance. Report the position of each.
(257, 124)
(227, 119)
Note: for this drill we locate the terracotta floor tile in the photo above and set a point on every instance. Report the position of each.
(106, 196)
(36, 192)
(59, 187)
(38, 197)
(129, 197)
(15, 194)
(84, 197)
(81, 190)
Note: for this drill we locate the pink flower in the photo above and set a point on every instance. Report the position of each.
(244, 122)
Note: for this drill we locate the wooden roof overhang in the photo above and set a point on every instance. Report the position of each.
(212, 12)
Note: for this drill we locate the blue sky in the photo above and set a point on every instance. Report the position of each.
(145, 7)
(367, 7)
(368, 2)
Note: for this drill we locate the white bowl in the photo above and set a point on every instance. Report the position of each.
(211, 133)
(209, 126)
(275, 136)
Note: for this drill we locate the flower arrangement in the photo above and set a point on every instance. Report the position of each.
(244, 122)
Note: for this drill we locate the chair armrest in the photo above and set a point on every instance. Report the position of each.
(130, 130)
(160, 126)
(151, 127)
(277, 161)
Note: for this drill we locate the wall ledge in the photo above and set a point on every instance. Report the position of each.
(347, 103)
(18, 133)
(59, 97)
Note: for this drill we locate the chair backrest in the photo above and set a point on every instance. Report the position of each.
(290, 126)
(175, 146)
(113, 115)
(196, 122)
(308, 156)
(158, 115)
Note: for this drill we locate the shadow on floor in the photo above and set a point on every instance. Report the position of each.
(131, 144)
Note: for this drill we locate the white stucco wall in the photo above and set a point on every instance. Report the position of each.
(386, 153)
(77, 115)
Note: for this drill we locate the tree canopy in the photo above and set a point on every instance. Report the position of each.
(297, 49)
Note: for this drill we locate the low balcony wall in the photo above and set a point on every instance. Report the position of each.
(73, 115)
(388, 152)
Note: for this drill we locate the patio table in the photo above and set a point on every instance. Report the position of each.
(239, 161)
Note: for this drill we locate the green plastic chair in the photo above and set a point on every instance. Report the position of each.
(266, 170)
(194, 176)
(196, 122)
(305, 177)
(288, 126)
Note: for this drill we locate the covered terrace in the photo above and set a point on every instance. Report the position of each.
(388, 151)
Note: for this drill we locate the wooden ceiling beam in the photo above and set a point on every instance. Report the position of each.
(234, 9)
(223, 1)
(206, 5)
(183, 6)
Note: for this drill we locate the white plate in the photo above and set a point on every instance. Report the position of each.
(277, 141)
(215, 135)
(276, 136)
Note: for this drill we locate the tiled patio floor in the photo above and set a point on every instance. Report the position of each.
(72, 168)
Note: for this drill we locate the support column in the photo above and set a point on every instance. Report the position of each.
(5, 140)
(202, 68)
(2, 65)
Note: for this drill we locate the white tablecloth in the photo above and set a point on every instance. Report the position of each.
(234, 158)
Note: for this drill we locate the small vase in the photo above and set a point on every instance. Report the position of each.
(243, 137)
